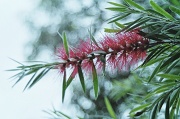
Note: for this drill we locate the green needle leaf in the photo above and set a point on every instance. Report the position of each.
(120, 25)
(169, 76)
(132, 3)
(116, 9)
(69, 80)
(92, 38)
(108, 30)
(71, 77)
(21, 76)
(143, 21)
(175, 2)
(16, 61)
(119, 18)
(65, 43)
(58, 113)
(131, 24)
(152, 61)
(95, 80)
(139, 109)
(156, 70)
(38, 77)
(117, 4)
(64, 86)
(16, 75)
(174, 102)
(167, 115)
(152, 55)
(175, 10)
(154, 111)
(81, 77)
(160, 10)
(27, 85)
(171, 60)
(109, 108)
(103, 60)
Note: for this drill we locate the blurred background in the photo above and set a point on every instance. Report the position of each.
(28, 31)
(14, 36)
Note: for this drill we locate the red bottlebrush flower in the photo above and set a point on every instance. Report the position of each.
(61, 68)
(99, 61)
(61, 53)
(122, 60)
(74, 72)
(111, 60)
(125, 48)
(84, 48)
(87, 65)
(108, 42)
(72, 53)
(120, 51)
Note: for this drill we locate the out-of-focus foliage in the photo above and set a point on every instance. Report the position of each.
(74, 17)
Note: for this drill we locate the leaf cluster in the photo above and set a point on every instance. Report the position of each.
(37, 71)
(162, 29)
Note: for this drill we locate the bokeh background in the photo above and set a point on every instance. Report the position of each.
(14, 36)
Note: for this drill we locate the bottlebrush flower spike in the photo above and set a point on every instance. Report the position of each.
(62, 54)
(119, 50)
(85, 48)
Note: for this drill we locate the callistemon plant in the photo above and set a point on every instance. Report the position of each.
(119, 50)
(155, 29)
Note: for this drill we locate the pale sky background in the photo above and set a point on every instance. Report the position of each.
(14, 34)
